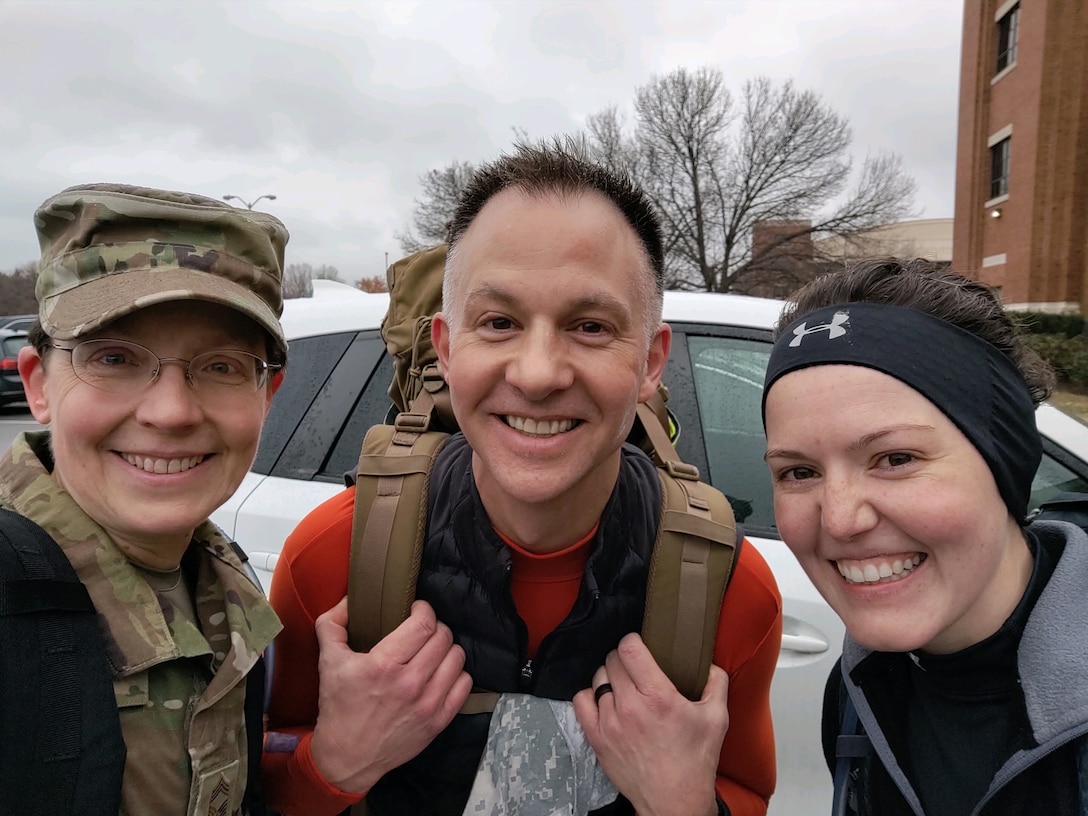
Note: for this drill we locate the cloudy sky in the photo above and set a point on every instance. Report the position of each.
(337, 108)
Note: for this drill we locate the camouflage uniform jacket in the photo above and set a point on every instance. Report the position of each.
(180, 690)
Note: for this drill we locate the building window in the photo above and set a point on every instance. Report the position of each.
(999, 168)
(1008, 28)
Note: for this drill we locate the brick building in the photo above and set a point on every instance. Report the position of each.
(929, 238)
(1021, 216)
(783, 259)
(785, 256)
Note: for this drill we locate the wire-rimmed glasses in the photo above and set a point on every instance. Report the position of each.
(121, 366)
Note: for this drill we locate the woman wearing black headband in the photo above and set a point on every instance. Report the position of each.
(899, 410)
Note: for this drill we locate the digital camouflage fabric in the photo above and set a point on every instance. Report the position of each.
(110, 249)
(537, 762)
(180, 687)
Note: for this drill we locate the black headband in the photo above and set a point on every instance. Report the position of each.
(973, 383)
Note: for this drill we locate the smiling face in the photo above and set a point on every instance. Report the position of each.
(150, 466)
(546, 353)
(891, 511)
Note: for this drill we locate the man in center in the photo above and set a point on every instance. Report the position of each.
(540, 527)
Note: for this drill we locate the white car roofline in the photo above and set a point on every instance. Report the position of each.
(338, 307)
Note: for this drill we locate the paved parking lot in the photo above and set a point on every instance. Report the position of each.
(14, 419)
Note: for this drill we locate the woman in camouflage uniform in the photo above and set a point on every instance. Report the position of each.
(158, 351)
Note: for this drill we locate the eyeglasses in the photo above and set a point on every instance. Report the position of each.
(122, 366)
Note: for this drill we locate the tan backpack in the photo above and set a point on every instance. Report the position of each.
(693, 555)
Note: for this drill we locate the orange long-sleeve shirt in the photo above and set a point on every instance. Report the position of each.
(311, 577)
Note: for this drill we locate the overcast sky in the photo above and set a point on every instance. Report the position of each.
(338, 108)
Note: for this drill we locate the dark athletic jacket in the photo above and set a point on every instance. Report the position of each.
(1033, 737)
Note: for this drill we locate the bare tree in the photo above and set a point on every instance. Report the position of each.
(327, 272)
(441, 191)
(608, 145)
(298, 279)
(17, 289)
(717, 171)
(682, 128)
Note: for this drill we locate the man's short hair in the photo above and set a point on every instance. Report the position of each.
(563, 167)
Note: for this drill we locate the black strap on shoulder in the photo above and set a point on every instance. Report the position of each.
(254, 804)
(27, 597)
(258, 693)
(61, 750)
(851, 744)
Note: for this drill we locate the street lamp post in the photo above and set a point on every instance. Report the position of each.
(249, 204)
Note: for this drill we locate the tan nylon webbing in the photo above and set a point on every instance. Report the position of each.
(659, 438)
(692, 601)
(376, 540)
(690, 566)
(369, 555)
(480, 702)
(401, 466)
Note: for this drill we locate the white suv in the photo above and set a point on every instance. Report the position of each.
(336, 388)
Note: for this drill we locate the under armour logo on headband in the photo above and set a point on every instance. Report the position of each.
(834, 329)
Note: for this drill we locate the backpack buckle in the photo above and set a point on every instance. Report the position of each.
(431, 379)
(413, 423)
(682, 470)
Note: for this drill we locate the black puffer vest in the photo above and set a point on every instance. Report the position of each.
(465, 576)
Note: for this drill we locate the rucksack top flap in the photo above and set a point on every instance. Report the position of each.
(415, 289)
(410, 346)
(415, 295)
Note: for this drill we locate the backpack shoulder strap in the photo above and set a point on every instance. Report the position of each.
(389, 522)
(852, 744)
(692, 562)
(61, 749)
(253, 711)
(1082, 773)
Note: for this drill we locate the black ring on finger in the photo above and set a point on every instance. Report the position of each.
(601, 691)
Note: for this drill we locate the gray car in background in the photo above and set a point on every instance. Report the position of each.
(20, 323)
(11, 386)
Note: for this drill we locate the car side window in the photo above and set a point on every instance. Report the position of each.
(1053, 478)
(310, 360)
(371, 409)
(728, 375)
(305, 456)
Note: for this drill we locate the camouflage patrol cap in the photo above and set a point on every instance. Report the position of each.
(111, 249)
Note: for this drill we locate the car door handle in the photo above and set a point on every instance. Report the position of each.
(803, 643)
(264, 560)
